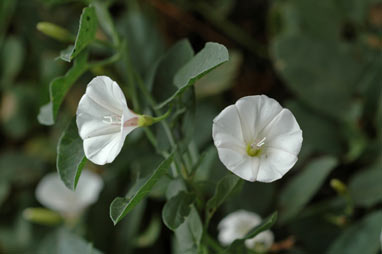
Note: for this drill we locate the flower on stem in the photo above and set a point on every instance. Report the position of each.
(104, 120)
(237, 224)
(257, 139)
(53, 194)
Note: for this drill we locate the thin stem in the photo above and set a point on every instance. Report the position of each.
(171, 139)
(212, 243)
(114, 58)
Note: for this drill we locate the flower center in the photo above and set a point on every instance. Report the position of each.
(254, 149)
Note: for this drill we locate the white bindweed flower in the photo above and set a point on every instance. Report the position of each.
(257, 139)
(237, 224)
(104, 120)
(53, 194)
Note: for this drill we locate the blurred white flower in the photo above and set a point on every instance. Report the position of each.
(257, 139)
(53, 194)
(237, 224)
(104, 120)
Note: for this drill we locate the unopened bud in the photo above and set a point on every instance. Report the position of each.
(338, 186)
(55, 31)
(42, 216)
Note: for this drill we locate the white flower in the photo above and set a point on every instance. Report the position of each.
(237, 224)
(104, 120)
(53, 194)
(257, 139)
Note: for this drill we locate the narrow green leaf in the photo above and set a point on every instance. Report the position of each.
(121, 206)
(210, 57)
(266, 224)
(223, 190)
(70, 156)
(304, 186)
(361, 237)
(86, 34)
(366, 186)
(177, 209)
(58, 89)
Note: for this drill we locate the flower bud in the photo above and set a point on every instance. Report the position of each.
(42, 216)
(55, 31)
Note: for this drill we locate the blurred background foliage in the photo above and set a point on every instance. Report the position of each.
(321, 59)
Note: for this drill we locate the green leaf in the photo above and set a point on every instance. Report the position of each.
(58, 89)
(145, 42)
(224, 189)
(297, 193)
(315, 127)
(220, 79)
(14, 50)
(64, 242)
(210, 57)
(266, 224)
(189, 234)
(121, 206)
(361, 237)
(70, 156)
(160, 77)
(177, 209)
(366, 186)
(86, 34)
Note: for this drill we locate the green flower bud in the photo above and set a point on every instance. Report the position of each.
(55, 31)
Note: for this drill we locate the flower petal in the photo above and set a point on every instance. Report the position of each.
(248, 169)
(228, 122)
(106, 93)
(103, 149)
(274, 163)
(284, 133)
(256, 112)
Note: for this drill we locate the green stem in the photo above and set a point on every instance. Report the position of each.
(212, 243)
(171, 139)
(114, 58)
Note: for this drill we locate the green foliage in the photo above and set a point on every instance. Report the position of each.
(303, 187)
(70, 156)
(64, 242)
(210, 57)
(121, 206)
(86, 34)
(224, 189)
(365, 187)
(324, 65)
(362, 237)
(189, 234)
(177, 209)
(58, 89)
(12, 49)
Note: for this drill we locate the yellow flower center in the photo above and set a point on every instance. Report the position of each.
(254, 149)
